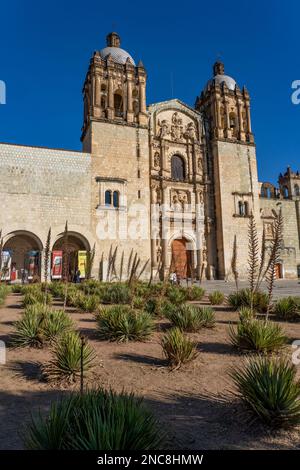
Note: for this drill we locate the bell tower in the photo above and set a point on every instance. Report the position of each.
(114, 87)
(226, 112)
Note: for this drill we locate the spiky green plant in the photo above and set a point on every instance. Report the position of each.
(192, 318)
(159, 306)
(257, 335)
(88, 303)
(57, 289)
(258, 301)
(54, 324)
(268, 387)
(246, 314)
(28, 331)
(178, 348)
(37, 297)
(121, 323)
(176, 295)
(138, 303)
(116, 294)
(216, 298)
(287, 308)
(66, 357)
(195, 293)
(96, 420)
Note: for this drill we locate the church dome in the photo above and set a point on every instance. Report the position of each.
(113, 48)
(220, 78)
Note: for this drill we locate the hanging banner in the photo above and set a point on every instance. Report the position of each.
(82, 263)
(32, 263)
(5, 266)
(57, 264)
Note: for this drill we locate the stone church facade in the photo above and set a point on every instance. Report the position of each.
(165, 184)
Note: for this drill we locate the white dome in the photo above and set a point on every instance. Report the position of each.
(118, 55)
(219, 79)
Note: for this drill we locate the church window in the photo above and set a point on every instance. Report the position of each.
(116, 197)
(246, 208)
(285, 190)
(177, 168)
(241, 209)
(296, 190)
(232, 120)
(108, 198)
(118, 104)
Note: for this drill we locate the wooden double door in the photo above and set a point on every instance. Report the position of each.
(181, 258)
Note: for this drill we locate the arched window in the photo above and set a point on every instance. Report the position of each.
(241, 208)
(108, 198)
(118, 104)
(296, 190)
(246, 208)
(116, 198)
(285, 190)
(177, 168)
(232, 120)
(136, 107)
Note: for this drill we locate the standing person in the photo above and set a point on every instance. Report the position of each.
(77, 276)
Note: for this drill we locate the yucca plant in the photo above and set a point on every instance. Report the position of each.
(37, 297)
(216, 298)
(268, 387)
(191, 318)
(246, 314)
(96, 420)
(28, 330)
(138, 303)
(176, 295)
(121, 323)
(65, 364)
(159, 306)
(287, 308)
(257, 335)
(74, 297)
(56, 288)
(116, 294)
(88, 303)
(245, 298)
(55, 323)
(194, 293)
(177, 348)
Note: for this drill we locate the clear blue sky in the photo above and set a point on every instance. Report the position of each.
(46, 47)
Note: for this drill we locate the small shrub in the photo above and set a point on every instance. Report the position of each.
(159, 306)
(66, 358)
(191, 318)
(88, 303)
(17, 288)
(116, 294)
(195, 293)
(257, 335)
(122, 323)
(54, 324)
(138, 303)
(216, 298)
(74, 297)
(287, 308)
(4, 291)
(268, 387)
(56, 288)
(177, 348)
(36, 297)
(242, 298)
(246, 314)
(97, 420)
(176, 295)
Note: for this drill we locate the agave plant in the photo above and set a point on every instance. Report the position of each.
(65, 364)
(95, 420)
(55, 323)
(268, 387)
(216, 298)
(88, 303)
(116, 294)
(37, 297)
(257, 335)
(177, 348)
(194, 293)
(287, 308)
(245, 298)
(191, 318)
(28, 331)
(246, 314)
(176, 295)
(121, 323)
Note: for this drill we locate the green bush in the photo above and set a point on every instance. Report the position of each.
(177, 348)
(138, 303)
(176, 295)
(4, 291)
(74, 297)
(216, 298)
(97, 420)
(257, 335)
(17, 288)
(121, 323)
(65, 364)
(40, 325)
(242, 298)
(246, 314)
(36, 297)
(116, 294)
(195, 293)
(268, 387)
(56, 288)
(159, 306)
(288, 308)
(191, 318)
(88, 303)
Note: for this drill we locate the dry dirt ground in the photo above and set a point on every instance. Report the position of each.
(194, 404)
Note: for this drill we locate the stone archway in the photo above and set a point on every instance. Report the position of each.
(76, 242)
(21, 257)
(181, 258)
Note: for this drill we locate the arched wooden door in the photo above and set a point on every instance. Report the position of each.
(181, 258)
(278, 271)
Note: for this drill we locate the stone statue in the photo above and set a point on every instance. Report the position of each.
(164, 128)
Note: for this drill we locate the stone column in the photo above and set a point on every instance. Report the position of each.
(165, 230)
(129, 101)
(227, 131)
(97, 102)
(110, 111)
(153, 240)
(240, 116)
(198, 233)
